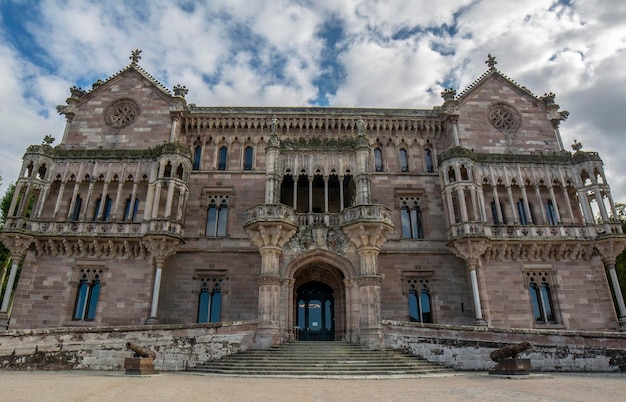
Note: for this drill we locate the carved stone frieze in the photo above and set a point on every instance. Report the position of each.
(539, 251)
(17, 244)
(367, 234)
(469, 249)
(270, 234)
(310, 238)
(161, 247)
(96, 248)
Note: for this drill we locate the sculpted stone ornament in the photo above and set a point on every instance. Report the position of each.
(135, 56)
(448, 94)
(180, 90)
(507, 361)
(491, 62)
(577, 146)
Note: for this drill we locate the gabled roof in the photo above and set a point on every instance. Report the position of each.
(493, 71)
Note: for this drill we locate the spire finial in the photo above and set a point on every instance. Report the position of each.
(491, 62)
(135, 55)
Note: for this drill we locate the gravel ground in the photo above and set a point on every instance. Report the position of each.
(115, 386)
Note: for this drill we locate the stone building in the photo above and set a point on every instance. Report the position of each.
(316, 223)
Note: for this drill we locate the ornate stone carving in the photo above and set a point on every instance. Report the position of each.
(135, 56)
(17, 244)
(448, 94)
(609, 249)
(317, 237)
(469, 249)
(505, 118)
(121, 113)
(161, 247)
(270, 234)
(491, 61)
(180, 90)
(539, 251)
(561, 157)
(97, 248)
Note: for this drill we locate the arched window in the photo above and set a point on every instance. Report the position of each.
(404, 160)
(217, 218)
(180, 171)
(167, 172)
(87, 298)
(128, 216)
(106, 212)
(247, 158)
(429, 161)
(419, 301)
(210, 301)
(541, 298)
(494, 213)
(197, 154)
(77, 206)
(223, 155)
(378, 160)
(451, 174)
(411, 217)
(523, 217)
(551, 212)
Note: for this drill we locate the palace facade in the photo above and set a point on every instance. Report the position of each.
(316, 223)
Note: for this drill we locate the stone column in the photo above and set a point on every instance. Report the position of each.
(496, 198)
(17, 245)
(161, 248)
(269, 237)
(341, 194)
(368, 232)
(609, 249)
(57, 205)
(471, 250)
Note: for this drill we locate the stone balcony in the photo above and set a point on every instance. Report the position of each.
(284, 213)
(521, 232)
(50, 228)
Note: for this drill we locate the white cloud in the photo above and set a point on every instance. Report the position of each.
(393, 53)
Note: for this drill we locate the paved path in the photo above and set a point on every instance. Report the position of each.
(115, 386)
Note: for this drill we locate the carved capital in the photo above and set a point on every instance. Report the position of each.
(367, 234)
(609, 249)
(270, 234)
(17, 244)
(470, 250)
(161, 247)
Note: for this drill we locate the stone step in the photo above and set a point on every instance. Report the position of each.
(319, 360)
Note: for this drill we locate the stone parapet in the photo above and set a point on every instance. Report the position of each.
(468, 347)
(104, 348)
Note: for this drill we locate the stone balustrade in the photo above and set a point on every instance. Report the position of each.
(365, 213)
(92, 228)
(468, 229)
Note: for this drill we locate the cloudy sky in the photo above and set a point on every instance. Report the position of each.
(376, 53)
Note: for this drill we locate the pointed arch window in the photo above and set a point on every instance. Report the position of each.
(217, 216)
(222, 158)
(420, 301)
(404, 160)
(197, 154)
(248, 153)
(551, 213)
(378, 160)
(411, 218)
(430, 168)
(87, 295)
(210, 300)
(77, 206)
(541, 300)
(131, 215)
(106, 212)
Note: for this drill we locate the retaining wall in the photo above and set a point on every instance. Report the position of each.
(104, 348)
(468, 347)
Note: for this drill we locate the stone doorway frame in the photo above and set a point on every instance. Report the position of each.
(336, 272)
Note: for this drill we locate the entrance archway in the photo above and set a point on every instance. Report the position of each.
(315, 312)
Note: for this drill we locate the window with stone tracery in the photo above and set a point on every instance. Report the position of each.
(217, 216)
(411, 218)
(89, 281)
(541, 293)
(212, 286)
(419, 295)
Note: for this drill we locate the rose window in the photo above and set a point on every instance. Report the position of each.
(504, 118)
(121, 113)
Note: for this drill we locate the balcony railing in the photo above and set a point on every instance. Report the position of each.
(92, 228)
(469, 229)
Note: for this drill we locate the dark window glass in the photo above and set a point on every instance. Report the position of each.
(551, 212)
(92, 301)
(404, 161)
(216, 304)
(81, 299)
(247, 158)
(523, 218)
(203, 305)
(77, 206)
(197, 154)
(429, 161)
(95, 212)
(534, 300)
(223, 155)
(378, 160)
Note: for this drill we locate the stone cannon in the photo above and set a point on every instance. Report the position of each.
(509, 352)
(141, 351)
(507, 362)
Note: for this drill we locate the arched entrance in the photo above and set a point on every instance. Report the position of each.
(315, 312)
(319, 290)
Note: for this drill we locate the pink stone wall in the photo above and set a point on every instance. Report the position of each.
(536, 133)
(89, 130)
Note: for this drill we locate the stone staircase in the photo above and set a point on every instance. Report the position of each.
(320, 360)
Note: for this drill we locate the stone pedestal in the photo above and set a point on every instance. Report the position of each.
(139, 366)
(512, 367)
